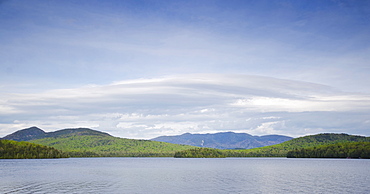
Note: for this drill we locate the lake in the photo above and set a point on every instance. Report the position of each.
(182, 175)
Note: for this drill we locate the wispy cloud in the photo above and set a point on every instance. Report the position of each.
(60, 42)
(197, 103)
(198, 55)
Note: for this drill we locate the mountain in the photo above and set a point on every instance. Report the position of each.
(84, 142)
(311, 141)
(225, 140)
(76, 132)
(33, 133)
(26, 134)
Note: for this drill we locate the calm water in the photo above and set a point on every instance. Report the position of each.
(171, 175)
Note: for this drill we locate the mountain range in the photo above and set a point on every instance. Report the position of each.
(224, 140)
(33, 133)
(84, 142)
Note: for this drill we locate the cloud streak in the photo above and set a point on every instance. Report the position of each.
(197, 103)
(185, 66)
(320, 42)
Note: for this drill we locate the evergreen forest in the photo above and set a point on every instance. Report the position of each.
(109, 146)
(84, 142)
(281, 150)
(340, 150)
(200, 153)
(10, 149)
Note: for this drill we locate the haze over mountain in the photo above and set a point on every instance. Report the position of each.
(226, 140)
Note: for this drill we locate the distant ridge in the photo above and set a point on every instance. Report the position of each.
(26, 134)
(33, 133)
(310, 141)
(76, 131)
(224, 140)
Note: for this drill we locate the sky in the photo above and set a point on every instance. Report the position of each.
(146, 68)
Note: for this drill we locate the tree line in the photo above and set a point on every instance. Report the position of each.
(340, 150)
(108, 146)
(10, 149)
(200, 153)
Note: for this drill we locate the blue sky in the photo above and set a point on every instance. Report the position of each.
(140, 69)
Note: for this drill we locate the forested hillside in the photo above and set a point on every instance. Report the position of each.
(84, 142)
(108, 146)
(10, 149)
(200, 153)
(281, 150)
(339, 150)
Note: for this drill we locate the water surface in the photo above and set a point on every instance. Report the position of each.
(179, 175)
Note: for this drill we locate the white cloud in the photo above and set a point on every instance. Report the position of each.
(198, 103)
(268, 128)
(310, 103)
(68, 44)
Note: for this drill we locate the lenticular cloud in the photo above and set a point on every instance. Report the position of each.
(199, 103)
